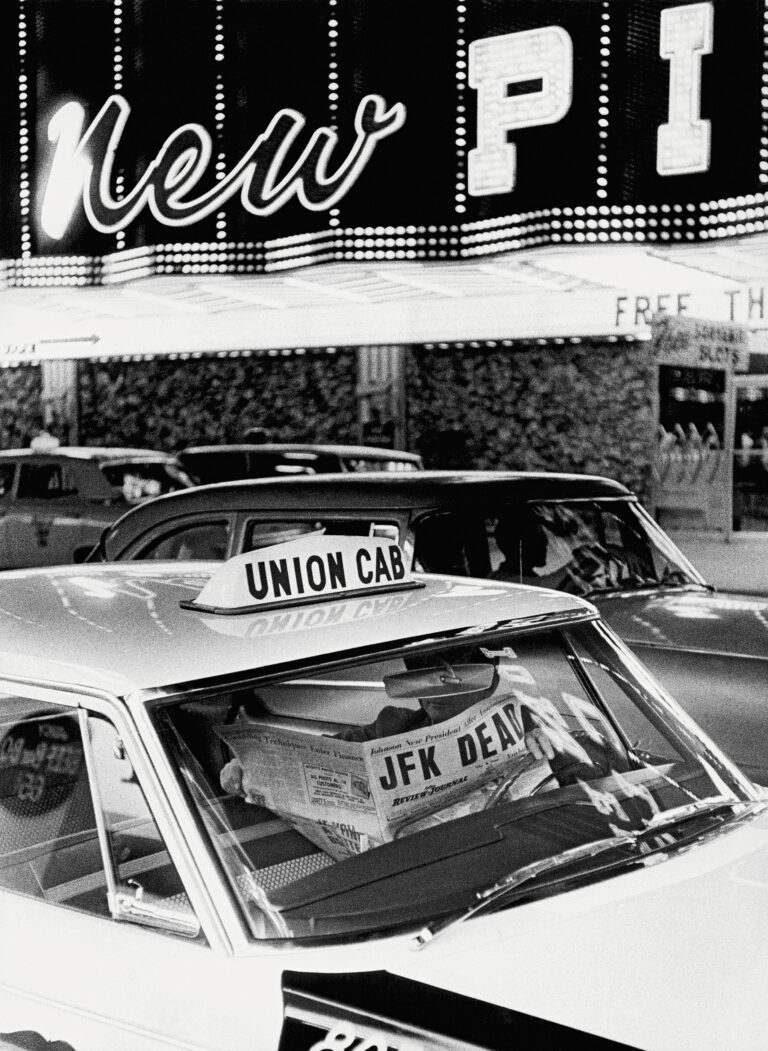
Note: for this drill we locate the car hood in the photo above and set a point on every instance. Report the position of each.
(721, 622)
(669, 956)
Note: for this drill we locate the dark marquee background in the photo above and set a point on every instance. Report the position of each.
(230, 65)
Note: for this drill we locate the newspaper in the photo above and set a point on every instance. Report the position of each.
(348, 797)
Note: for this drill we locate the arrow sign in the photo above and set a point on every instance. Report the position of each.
(72, 339)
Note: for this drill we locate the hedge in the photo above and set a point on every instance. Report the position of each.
(168, 404)
(585, 408)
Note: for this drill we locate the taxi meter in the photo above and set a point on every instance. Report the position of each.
(307, 570)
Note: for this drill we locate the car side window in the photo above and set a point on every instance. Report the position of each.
(453, 542)
(7, 473)
(263, 533)
(40, 481)
(201, 541)
(49, 841)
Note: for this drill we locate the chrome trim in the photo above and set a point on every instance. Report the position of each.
(101, 825)
(729, 654)
(373, 1029)
(623, 498)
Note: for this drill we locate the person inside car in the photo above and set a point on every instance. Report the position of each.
(542, 742)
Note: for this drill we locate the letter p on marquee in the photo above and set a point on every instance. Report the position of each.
(543, 57)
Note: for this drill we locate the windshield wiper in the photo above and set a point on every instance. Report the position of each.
(670, 818)
(631, 838)
(489, 895)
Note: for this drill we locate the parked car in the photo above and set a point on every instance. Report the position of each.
(203, 844)
(226, 463)
(55, 504)
(705, 646)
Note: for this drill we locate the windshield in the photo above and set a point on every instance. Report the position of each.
(389, 793)
(580, 546)
(135, 482)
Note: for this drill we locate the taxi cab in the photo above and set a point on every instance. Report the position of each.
(55, 500)
(310, 799)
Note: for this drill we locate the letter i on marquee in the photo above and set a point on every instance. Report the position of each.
(683, 143)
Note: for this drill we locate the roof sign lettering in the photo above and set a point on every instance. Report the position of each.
(306, 570)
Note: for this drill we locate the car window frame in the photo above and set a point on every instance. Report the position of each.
(200, 521)
(185, 855)
(159, 530)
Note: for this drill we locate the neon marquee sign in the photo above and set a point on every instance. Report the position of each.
(522, 124)
(83, 163)
(83, 166)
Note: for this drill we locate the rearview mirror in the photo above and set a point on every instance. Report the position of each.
(444, 680)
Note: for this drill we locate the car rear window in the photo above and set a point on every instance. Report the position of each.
(136, 482)
(362, 463)
(263, 533)
(232, 465)
(41, 481)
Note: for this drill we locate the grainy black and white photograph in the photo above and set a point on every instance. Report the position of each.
(383, 525)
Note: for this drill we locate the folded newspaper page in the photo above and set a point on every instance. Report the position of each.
(350, 796)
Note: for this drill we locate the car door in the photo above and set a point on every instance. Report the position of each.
(45, 524)
(7, 477)
(103, 942)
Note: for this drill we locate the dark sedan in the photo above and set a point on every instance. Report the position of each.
(228, 463)
(587, 535)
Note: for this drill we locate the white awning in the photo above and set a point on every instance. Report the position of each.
(551, 293)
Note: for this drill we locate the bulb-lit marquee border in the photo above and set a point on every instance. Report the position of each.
(486, 165)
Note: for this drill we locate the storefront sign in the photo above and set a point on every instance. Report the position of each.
(748, 304)
(700, 343)
(187, 142)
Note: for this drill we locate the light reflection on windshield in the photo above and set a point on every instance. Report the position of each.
(387, 794)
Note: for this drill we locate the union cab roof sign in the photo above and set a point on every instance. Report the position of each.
(308, 570)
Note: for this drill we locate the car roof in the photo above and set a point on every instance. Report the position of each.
(88, 452)
(373, 491)
(368, 452)
(119, 627)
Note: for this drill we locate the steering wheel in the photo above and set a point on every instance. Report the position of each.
(566, 769)
(588, 562)
(501, 790)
